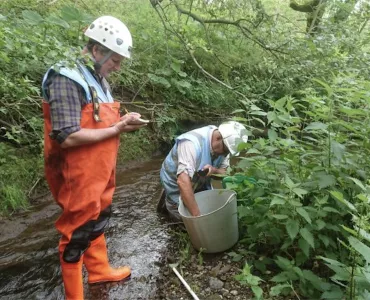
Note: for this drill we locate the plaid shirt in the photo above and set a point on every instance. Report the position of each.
(66, 100)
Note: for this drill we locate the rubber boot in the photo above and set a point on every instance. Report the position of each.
(97, 264)
(72, 279)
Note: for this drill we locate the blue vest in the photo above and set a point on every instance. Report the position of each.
(83, 77)
(201, 140)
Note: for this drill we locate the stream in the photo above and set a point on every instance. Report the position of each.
(136, 236)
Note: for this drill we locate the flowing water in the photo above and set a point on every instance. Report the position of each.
(29, 264)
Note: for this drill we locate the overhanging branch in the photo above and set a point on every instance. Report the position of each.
(192, 54)
(238, 23)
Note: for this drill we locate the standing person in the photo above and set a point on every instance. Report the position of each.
(206, 149)
(82, 125)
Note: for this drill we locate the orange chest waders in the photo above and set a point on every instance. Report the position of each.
(82, 180)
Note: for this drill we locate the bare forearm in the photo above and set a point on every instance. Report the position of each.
(187, 194)
(219, 171)
(89, 136)
(212, 170)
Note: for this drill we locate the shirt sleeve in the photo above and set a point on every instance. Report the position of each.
(65, 99)
(187, 158)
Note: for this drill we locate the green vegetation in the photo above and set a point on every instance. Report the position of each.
(298, 71)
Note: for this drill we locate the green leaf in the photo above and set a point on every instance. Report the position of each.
(307, 235)
(159, 80)
(325, 180)
(235, 256)
(339, 196)
(280, 217)
(292, 227)
(258, 113)
(164, 71)
(283, 263)
(364, 234)
(281, 277)
(337, 149)
(32, 17)
(350, 230)
(182, 74)
(72, 14)
(336, 293)
(176, 67)
(253, 151)
(352, 112)
(277, 201)
(320, 224)
(298, 271)
(279, 288)
(238, 111)
(316, 126)
(299, 192)
(316, 281)
(290, 184)
(330, 209)
(304, 214)
(325, 240)
(332, 261)
(304, 246)
(57, 21)
(272, 135)
(358, 183)
(363, 197)
(271, 116)
(360, 247)
(243, 211)
(328, 89)
(257, 291)
(184, 84)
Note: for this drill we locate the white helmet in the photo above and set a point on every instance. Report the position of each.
(111, 33)
(233, 133)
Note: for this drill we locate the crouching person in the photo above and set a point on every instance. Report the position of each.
(195, 157)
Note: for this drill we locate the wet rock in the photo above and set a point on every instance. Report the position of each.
(213, 297)
(171, 259)
(215, 284)
(200, 268)
(216, 270)
(225, 269)
(225, 292)
(228, 286)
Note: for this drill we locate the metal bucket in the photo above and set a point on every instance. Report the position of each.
(216, 229)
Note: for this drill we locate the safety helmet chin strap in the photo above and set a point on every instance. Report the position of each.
(98, 64)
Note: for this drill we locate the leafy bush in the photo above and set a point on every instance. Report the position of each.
(311, 190)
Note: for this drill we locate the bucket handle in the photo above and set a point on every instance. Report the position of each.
(229, 200)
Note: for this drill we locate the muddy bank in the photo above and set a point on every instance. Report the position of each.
(137, 236)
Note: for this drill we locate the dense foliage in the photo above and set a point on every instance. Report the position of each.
(296, 74)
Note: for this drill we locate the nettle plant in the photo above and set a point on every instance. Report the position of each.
(305, 220)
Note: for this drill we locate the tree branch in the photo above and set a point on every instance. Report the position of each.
(193, 57)
(236, 23)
